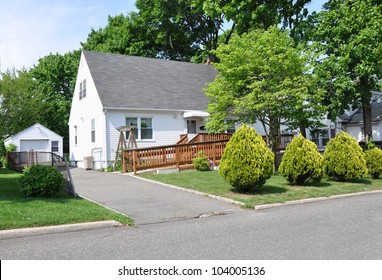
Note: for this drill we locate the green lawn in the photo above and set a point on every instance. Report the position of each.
(276, 189)
(17, 211)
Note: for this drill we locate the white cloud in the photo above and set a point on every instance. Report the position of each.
(33, 29)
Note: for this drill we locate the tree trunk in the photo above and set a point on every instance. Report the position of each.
(303, 130)
(274, 133)
(366, 108)
(367, 129)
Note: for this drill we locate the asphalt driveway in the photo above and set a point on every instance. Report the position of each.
(143, 201)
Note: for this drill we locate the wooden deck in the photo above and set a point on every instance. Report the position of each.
(184, 151)
(175, 155)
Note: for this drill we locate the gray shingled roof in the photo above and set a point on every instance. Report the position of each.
(136, 82)
(357, 117)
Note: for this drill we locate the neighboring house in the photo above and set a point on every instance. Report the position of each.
(163, 99)
(37, 138)
(353, 123)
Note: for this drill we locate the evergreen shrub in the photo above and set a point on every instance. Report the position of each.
(201, 162)
(247, 162)
(374, 162)
(344, 159)
(42, 181)
(301, 162)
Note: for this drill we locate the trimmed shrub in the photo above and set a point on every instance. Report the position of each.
(201, 162)
(247, 162)
(42, 181)
(344, 158)
(374, 162)
(301, 162)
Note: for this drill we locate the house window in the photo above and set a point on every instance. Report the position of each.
(320, 137)
(231, 130)
(146, 128)
(143, 128)
(75, 135)
(132, 122)
(83, 89)
(93, 130)
(55, 147)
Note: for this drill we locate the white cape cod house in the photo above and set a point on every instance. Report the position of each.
(163, 99)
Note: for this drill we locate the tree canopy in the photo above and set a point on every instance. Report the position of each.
(262, 77)
(349, 40)
(189, 30)
(41, 94)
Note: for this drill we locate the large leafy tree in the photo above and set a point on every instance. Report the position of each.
(262, 77)
(41, 94)
(123, 35)
(17, 102)
(54, 81)
(189, 30)
(348, 34)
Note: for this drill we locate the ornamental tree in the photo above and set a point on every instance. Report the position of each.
(262, 77)
(247, 162)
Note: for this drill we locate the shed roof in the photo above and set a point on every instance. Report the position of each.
(136, 82)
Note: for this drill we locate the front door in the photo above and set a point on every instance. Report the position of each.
(191, 126)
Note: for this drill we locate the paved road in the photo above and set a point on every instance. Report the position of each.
(349, 228)
(143, 201)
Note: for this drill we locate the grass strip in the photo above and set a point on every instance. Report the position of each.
(276, 190)
(18, 211)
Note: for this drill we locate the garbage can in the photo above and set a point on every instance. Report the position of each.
(88, 162)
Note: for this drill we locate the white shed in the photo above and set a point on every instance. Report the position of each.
(37, 138)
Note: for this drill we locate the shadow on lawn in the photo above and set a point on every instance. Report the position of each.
(266, 189)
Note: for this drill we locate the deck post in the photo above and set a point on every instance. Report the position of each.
(214, 153)
(177, 159)
(135, 162)
(124, 161)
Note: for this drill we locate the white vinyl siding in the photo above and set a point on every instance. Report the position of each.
(166, 129)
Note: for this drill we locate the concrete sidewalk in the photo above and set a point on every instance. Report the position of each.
(144, 201)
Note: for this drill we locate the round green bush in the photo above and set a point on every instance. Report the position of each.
(42, 181)
(344, 158)
(301, 162)
(201, 162)
(374, 162)
(247, 162)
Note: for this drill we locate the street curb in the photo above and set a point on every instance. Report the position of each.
(316, 199)
(216, 197)
(27, 232)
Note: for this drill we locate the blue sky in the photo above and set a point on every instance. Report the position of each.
(30, 29)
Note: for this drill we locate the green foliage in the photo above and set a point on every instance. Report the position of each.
(2, 153)
(262, 77)
(11, 148)
(349, 47)
(247, 162)
(18, 108)
(201, 162)
(42, 181)
(3, 150)
(344, 158)
(301, 162)
(42, 94)
(374, 162)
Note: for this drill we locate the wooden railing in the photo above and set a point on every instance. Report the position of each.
(206, 137)
(183, 139)
(175, 155)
